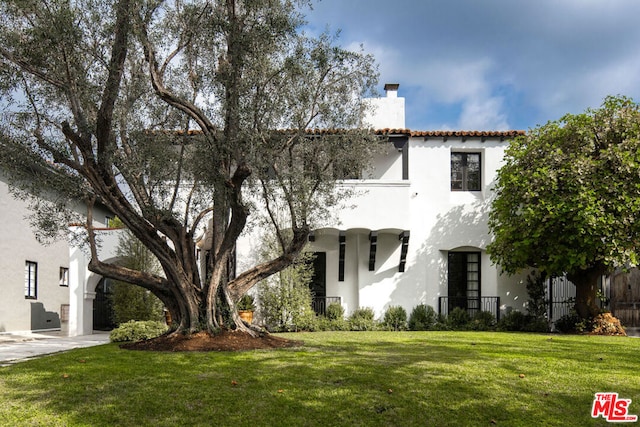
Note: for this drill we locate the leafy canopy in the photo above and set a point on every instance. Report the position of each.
(175, 115)
(568, 195)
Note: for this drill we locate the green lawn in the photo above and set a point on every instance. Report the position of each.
(337, 378)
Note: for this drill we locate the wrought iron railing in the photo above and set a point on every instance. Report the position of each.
(320, 304)
(472, 305)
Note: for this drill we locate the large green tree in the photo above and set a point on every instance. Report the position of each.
(176, 113)
(568, 198)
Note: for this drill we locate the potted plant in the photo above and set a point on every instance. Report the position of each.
(246, 307)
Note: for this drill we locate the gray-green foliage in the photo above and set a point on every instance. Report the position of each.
(395, 318)
(285, 298)
(137, 331)
(159, 110)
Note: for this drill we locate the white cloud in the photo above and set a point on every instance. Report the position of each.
(482, 114)
(496, 63)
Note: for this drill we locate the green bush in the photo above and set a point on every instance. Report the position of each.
(335, 311)
(422, 318)
(323, 323)
(137, 331)
(395, 318)
(284, 299)
(517, 321)
(570, 323)
(483, 321)
(362, 319)
(537, 304)
(537, 325)
(458, 319)
(304, 319)
(514, 321)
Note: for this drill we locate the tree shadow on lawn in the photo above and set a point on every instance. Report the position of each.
(381, 382)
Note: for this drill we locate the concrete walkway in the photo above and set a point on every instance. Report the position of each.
(17, 347)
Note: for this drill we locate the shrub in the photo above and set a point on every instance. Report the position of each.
(131, 302)
(335, 311)
(514, 321)
(362, 319)
(137, 331)
(602, 324)
(422, 318)
(304, 319)
(537, 304)
(395, 318)
(458, 319)
(483, 321)
(285, 298)
(441, 323)
(323, 323)
(537, 325)
(570, 323)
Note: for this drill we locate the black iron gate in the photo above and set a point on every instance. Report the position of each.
(560, 294)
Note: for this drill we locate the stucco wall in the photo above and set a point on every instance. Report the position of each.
(18, 245)
(439, 221)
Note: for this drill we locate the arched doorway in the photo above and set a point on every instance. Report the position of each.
(103, 318)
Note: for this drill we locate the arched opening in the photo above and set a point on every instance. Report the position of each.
(103, 316)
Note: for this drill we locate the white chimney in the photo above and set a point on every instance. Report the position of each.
(391, 89)
(388, 112)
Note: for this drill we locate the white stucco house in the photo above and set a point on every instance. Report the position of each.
(417, 234)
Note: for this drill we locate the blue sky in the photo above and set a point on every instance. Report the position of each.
(493, 64)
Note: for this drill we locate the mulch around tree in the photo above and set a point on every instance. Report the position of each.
(203, 341)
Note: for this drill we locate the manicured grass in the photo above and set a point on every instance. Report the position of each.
(337, 378)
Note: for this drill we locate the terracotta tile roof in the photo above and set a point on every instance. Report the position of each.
(451, 133)
(387, 131)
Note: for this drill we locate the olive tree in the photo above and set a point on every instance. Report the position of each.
(173, 114)
(132, 302)
(568, 198)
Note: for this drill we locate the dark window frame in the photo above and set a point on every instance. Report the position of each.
(64, 276)
(30, 280)
(460, 292)
(463, 175)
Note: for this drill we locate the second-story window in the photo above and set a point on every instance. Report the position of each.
(465, 171)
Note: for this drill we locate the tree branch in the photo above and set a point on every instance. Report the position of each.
(104, 118)
(157, 81)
